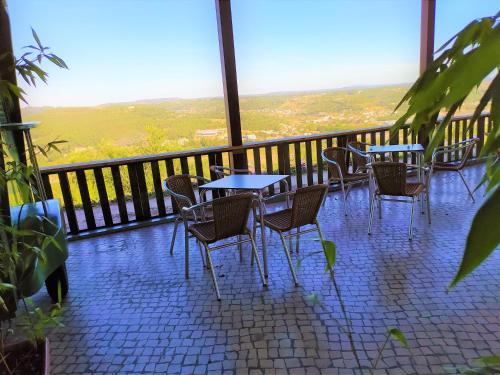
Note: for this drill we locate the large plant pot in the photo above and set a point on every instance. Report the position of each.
(23, 352)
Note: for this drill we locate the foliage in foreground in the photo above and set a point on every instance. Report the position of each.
(464, 62)
(329, 251)
(20, 249)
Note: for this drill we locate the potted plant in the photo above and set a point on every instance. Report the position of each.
(24, 349)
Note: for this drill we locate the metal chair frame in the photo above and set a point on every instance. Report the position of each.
(376, 197)
(340, 180)
(360, 153)
(221, 171)
(467, 144)
(289, 234)
(209, 249)
(182, 218)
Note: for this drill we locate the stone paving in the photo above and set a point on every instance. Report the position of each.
(130, 310)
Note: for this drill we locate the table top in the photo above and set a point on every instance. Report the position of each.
(245, 181)
(396, 148)
(19, 125)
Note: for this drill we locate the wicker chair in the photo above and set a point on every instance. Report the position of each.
(337, 162)
(390, 180)
(304, 211)
(230, 217)
(222, 172)
(180, 187)
(455, 166)
(360, 157)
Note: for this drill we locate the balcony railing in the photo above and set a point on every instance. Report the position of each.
(117, 193)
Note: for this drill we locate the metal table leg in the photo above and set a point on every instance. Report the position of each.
(263, 233)
(420, 178)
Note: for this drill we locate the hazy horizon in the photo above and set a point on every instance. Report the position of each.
(169, 49)
(275, 93)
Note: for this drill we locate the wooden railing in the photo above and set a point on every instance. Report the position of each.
(124, 192)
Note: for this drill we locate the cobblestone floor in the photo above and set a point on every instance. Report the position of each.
(130, 310)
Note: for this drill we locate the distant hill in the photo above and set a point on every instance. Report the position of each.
(168, 124)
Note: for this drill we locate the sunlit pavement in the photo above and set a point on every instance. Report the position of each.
(130, 310)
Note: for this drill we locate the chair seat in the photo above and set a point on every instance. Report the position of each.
(351, 177)
(280, 220)
(204, 231)
(209, 215)
(441, 166)
(411, 190)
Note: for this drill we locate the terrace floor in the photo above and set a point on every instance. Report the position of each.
(130, 310)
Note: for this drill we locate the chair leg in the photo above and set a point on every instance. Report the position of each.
(379, 202)
(254, 233)
(466, 185)
(202, 255)
(214, 278)
(297, 241)
(186, 251)
(428, 206)
(372, 208)
(324, 196)
(256, 256)
(347, 191)
(345, 197)
(410, 229)
(319, 232)
(240, 249)
(172, 241)
(289, 259)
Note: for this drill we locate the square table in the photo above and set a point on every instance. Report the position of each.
(251, 182)
(415, 148)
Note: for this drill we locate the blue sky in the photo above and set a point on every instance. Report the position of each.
(124, 50)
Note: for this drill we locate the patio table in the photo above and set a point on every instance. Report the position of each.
(417, 148)
(412, 148)
(251, 182)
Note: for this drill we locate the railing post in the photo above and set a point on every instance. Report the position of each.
(427, 26)
(4, 195)
(230, 82)
(13, 111)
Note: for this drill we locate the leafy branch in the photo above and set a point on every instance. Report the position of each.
(330, 253)
(465, 61)
(28, 66)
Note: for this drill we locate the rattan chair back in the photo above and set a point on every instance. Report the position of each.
(339, 156)
(306, 204)
(359, 155)
(470, 143)
(390, 178)
(221, 171)
(231, 215)
(182, 185)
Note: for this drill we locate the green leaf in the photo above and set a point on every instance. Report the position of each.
(6, 286)
(299, 263)
(484, 100)
(37, 39)
(56, 61)
(314, 299)
(474, 371)
(493, 360)
(396, 334)
(483, 236)
(330, 251)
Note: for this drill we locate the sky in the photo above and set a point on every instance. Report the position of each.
(126, 50)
